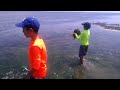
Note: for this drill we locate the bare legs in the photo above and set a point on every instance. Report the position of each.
(81, 60)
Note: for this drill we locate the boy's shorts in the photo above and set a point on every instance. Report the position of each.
(83, 50)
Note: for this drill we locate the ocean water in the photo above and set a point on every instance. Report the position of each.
(101, 62)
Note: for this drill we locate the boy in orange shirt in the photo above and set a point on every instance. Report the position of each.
(37, 52)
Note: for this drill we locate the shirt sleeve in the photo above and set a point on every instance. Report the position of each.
(36, 57)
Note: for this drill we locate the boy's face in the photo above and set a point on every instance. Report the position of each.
(27, 32)
(85, 28)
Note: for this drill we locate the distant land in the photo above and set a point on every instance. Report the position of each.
(108, 26)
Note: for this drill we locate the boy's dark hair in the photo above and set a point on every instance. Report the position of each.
(34, 29)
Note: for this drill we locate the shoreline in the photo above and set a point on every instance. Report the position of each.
(108, 26)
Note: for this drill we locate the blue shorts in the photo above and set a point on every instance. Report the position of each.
(32, 77)
(83, 50)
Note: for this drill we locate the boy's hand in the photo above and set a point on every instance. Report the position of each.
(27, 76)
(74, 35)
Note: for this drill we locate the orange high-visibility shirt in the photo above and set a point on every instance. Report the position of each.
(38, 58)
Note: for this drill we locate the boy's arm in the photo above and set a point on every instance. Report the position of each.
(29, 74)
(36, 61)
(77, 36)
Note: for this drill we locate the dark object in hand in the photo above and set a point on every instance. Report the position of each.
(74, 35)
(77, 31)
